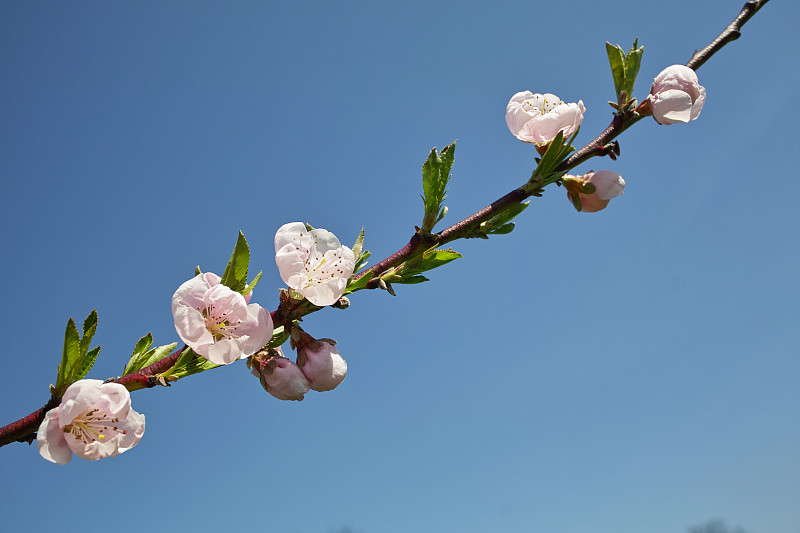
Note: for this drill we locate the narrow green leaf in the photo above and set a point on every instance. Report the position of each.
(442, 213)
(90, 324)
(359, 244)
(70, 358)
(361, 262)
(195, 366)
(139, 352)
(155, 355)
(252, 285)
(87, 363)
(360, 283)
(550, 159)
(616, 59)
(502, 230)
(143, 344)
(411, 280)
(503, 217)
(427, 261)
(632, 62)
(89, 328)
(140, 360)
(235, 275)
(189, 363)
(186, 356)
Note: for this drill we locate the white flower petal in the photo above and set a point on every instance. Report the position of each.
(50, 440)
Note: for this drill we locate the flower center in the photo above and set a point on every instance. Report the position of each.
(92, 426)
(541, 104)
(218, 324)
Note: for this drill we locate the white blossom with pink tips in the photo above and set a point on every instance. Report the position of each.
(94, 420)
(313, 262)
(537, 118)
(676, 95)
(216, 322)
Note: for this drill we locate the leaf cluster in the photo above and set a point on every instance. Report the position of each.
(435, 176)
(77, 358)
(144, 355)
(624, 69)
(545, 172)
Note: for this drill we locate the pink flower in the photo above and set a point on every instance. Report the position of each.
(313, 263)
(217, 322)
(537, 118)
(676, 95)
(604, 183)
(320, 362)
(280, 376)
(93, 421)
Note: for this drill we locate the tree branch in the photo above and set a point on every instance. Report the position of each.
(24, 429)
(731, 33)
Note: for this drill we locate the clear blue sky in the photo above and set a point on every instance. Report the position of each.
(634, 370)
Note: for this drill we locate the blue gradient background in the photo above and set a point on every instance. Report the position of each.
(630, 371)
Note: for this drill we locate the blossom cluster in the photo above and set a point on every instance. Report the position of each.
(675, 96)
(95, 419)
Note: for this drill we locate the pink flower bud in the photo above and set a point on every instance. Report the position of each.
(280, 376)
(607, 185)
(320, 362)
(676, 95)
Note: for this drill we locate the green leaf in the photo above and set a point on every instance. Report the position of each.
(361, 262)
(70, 359)
(89, 328)
(435, 176)
(359, 244)
(195, 366)
(87, 363)
(144, 356)
(252, 285)
(139, 352)
(197, 270)
(502, 230)
(235, 275)
(189, 363)
(279, 336)
(360, 283)
(557, 152)
(156, 354)
(143, 344)
(183, 359)
(632, 62)
(499, 224)
(429, 260)
(616, 58)
(412, 280)
(360, 253)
